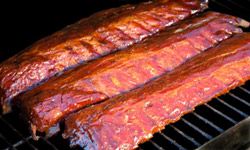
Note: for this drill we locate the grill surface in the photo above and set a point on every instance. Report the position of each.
(193, 130)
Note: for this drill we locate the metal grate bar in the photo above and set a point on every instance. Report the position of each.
(6, 142)
(228, 8)
(239, 6)
(18, 143)
(156, 145)
(221, 4)
(221, 114)
(172, 141)
(17, 132)
(208, 122)
(206, 135)
(245, 90)
(185, 136)
(232, 107)
(241, 13)
(49, 143)
(22, 142)
(239, 99)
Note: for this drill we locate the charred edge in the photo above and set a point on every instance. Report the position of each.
(5, 102)
(33, 129)
(204, 4)
(244, 23)
(48, 133)
(6, 108)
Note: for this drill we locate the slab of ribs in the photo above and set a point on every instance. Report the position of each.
(127, 120)
(119, 76)
(125, 70)
(88, 39)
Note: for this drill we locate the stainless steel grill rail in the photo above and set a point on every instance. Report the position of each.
(190, 132)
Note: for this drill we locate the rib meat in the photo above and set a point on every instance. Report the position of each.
(90, 38)
(114, 74)
(127, 120)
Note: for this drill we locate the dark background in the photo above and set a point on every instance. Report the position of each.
(24, 22)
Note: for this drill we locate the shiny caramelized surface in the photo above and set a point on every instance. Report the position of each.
(124, 70)
(90, 38)
(127, 120)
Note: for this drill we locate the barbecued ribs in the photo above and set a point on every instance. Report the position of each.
(127, 120)
(90, 38)
(47, 104)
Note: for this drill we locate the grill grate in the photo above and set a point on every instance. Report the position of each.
(206, 122)
(190, 132)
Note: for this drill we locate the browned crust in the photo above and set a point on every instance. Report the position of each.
(120, 72)
(88, 39)
(142, 112)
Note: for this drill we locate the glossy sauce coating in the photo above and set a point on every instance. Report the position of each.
(88, 39)
(127, 120)
(125, 70)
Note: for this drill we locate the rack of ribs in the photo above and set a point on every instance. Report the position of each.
(127, 120)
(125, 70)
(88, 39)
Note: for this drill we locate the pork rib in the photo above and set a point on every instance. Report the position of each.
(90, 38)
(47, 104)
(127, 120)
